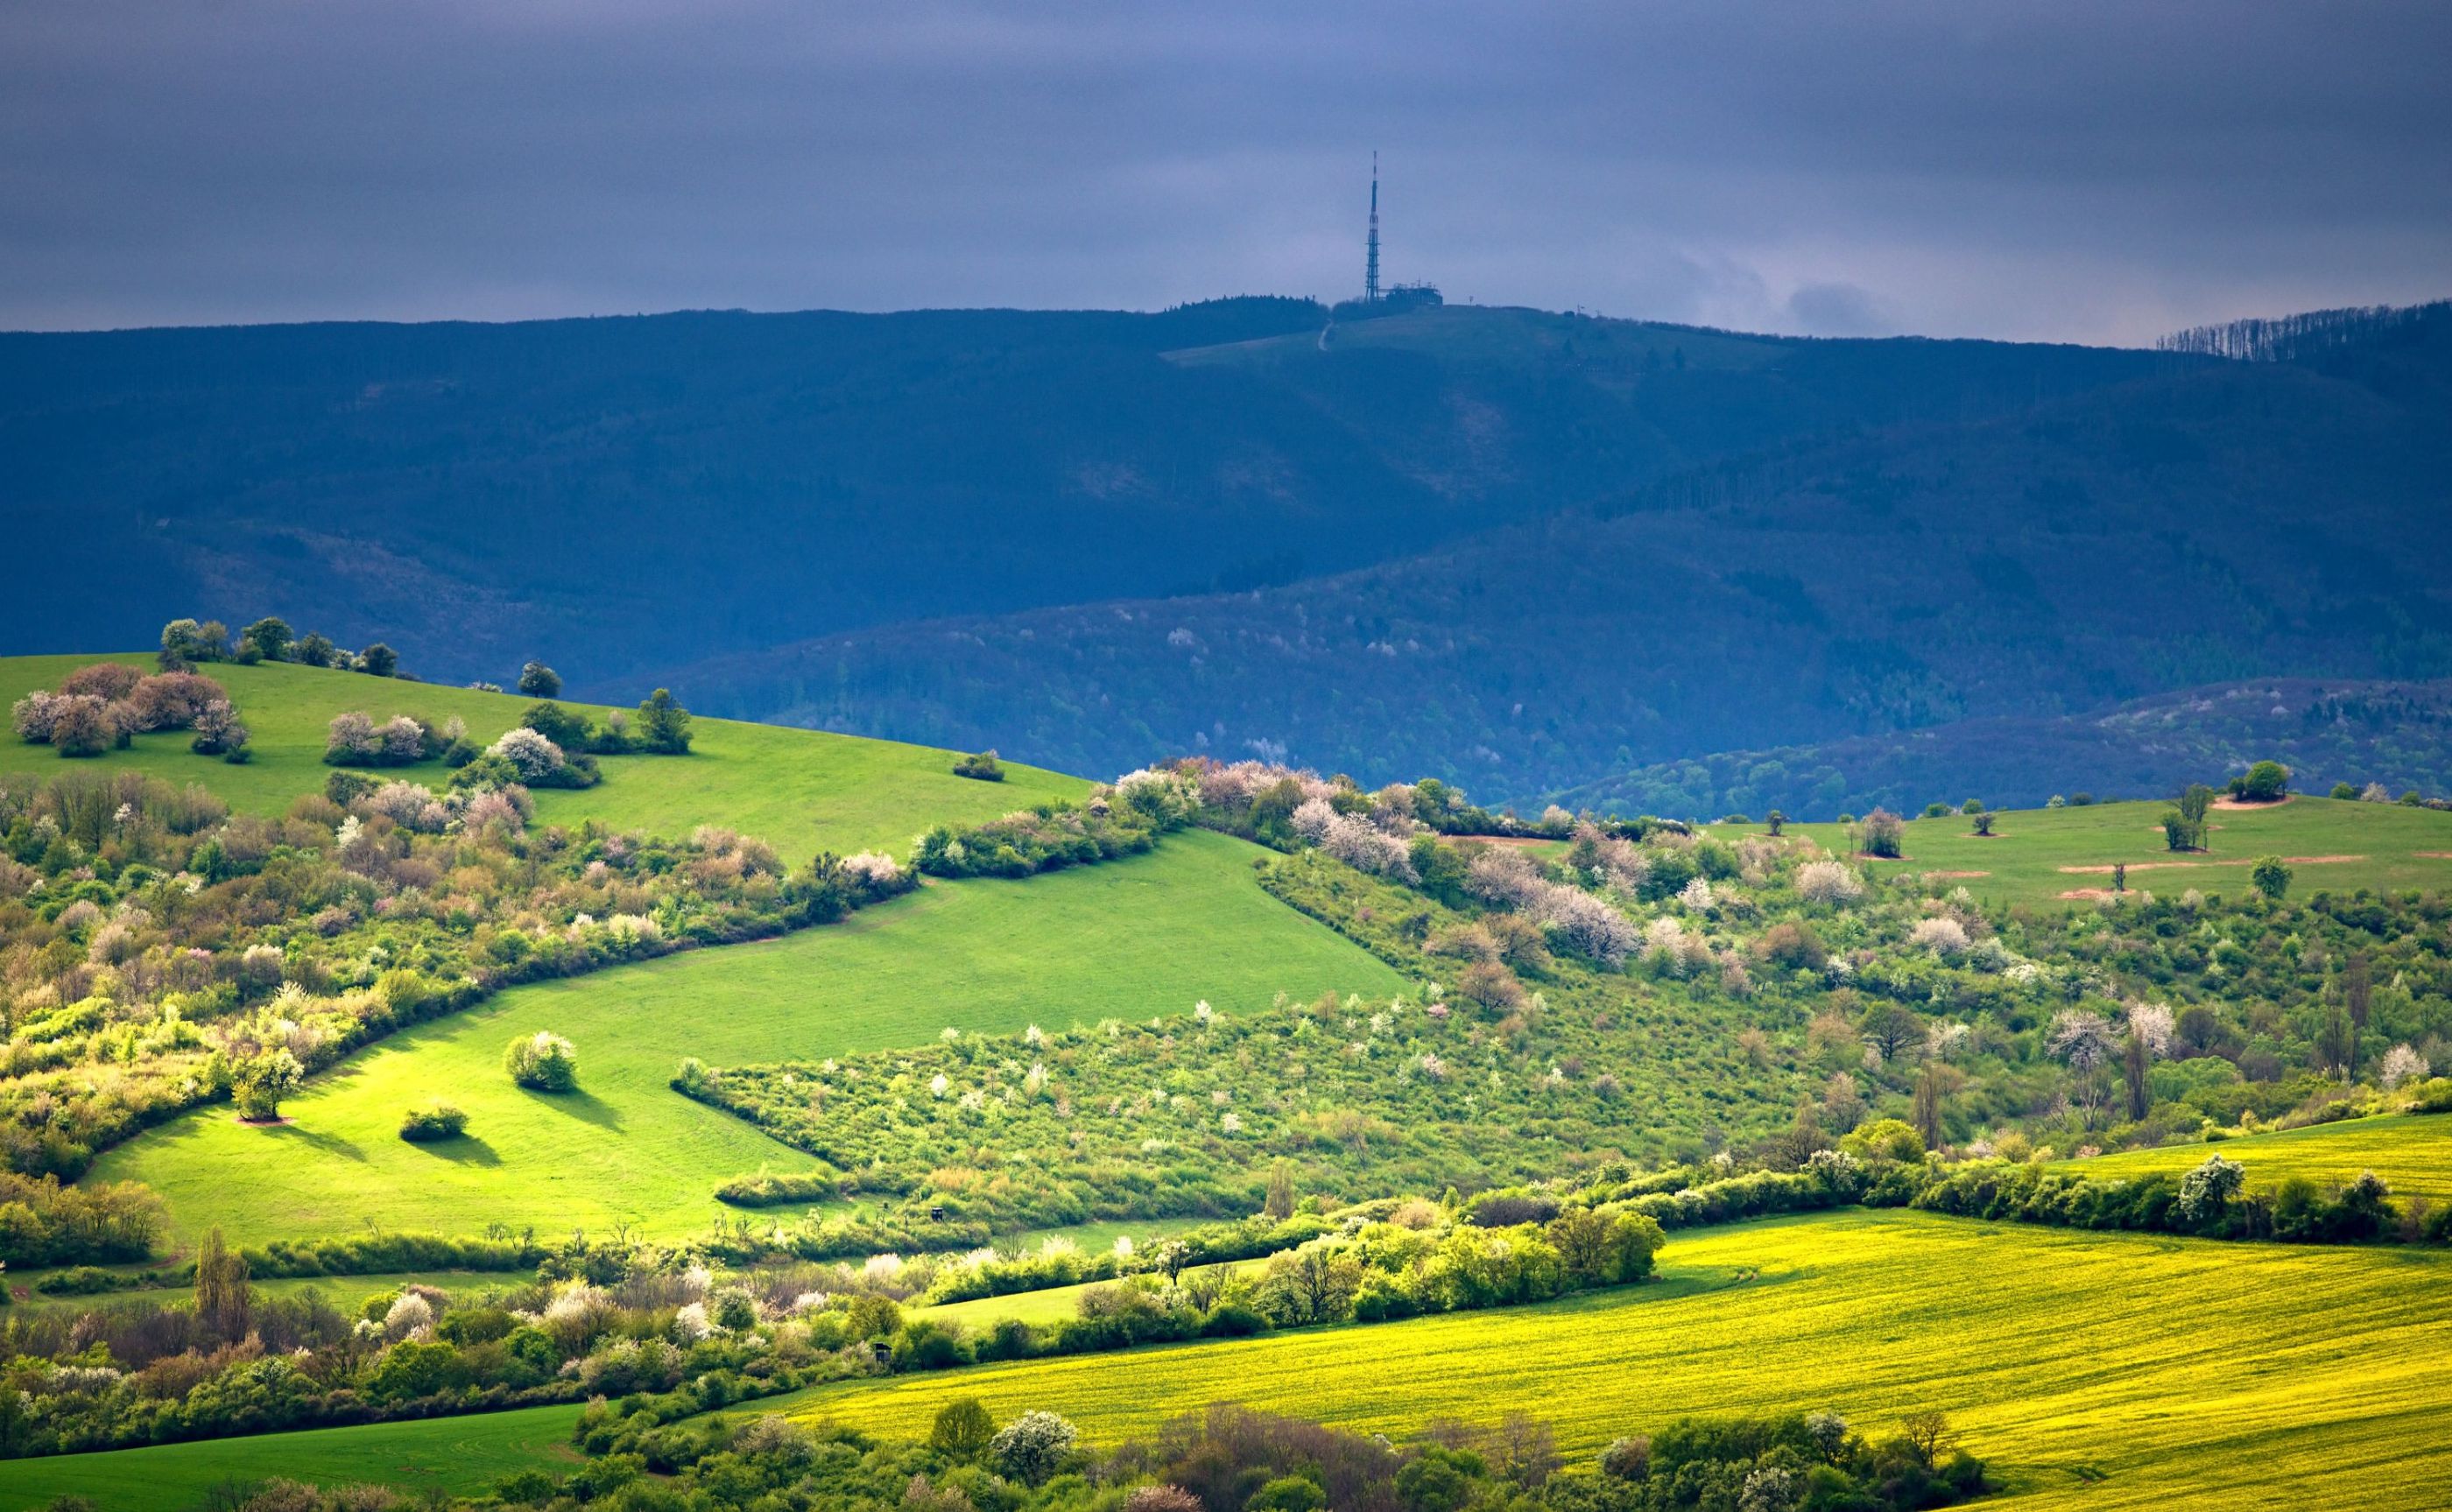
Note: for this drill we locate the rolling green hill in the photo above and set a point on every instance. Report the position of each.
(2099, 1371)
(797, 789)
(2066, 854)
(461, 1455)
(2412, 1154)
(1132, 939)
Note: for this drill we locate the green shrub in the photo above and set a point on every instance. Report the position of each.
(427, 1126)
(542, 1062)
(2432, 1097)
(79, 1280)
(767, 1189)
(984, 767)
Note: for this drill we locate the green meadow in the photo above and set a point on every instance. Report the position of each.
(460, 1456)
(2105, 1372)
(2051, 856)
(802, 791)
(1133, 939)
(2412, 1152)
(2097, 1371)
(347, 1293)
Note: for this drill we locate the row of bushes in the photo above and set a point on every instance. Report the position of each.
(185, 642)
(1228, 1457)
(2210, 1202)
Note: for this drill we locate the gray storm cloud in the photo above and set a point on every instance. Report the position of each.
(2074, 171)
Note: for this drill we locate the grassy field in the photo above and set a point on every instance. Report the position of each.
(457, 1455)
(346, 1292)
(1048, 1305)
(2413, 1153)
(1132, 939)
(2102, 1371)
(2095, 1371)
(2042, 856)
(799, 790)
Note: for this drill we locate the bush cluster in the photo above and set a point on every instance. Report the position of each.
(428, 1126)
(104, 706)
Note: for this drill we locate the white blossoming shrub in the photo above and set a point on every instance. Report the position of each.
(1579, 922)
(495, 808)
(401, 740)
(576, 1313)
(1669, 947)
(410, 1317)
(1168, 797)
(1359, 845)
(874, 869)
(1942, 936)
(2082, 1039)
(1504, 876)
(1829, 882)
(409, 805)
(530, 753)
(1313, 817)
(350, 739)
(34, 716)
(1029, 1447)
(2154, 1024)
(2401, 1064)
(690, 1323)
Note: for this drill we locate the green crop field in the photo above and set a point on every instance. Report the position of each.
(2100, 1371)
(2042, 856)
(2095, 1371)
(459, 1455)
(2413, 1153)
(1132, 939)
(799, 790)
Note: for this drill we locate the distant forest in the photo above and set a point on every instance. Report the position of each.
(1531, 552)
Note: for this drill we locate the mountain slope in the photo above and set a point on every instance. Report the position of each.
(623, 494)
(2396, 733)
(2191, 526)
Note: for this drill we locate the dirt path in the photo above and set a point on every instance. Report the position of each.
(2235, 805)
(2188, 866)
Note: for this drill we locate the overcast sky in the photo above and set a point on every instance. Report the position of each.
(2079, 169)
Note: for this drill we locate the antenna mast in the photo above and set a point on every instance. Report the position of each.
(1371, 263)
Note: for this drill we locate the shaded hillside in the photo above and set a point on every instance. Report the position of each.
(623, 494)
(2197, 525)
(2394, 734)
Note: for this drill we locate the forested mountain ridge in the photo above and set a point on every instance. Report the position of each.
(1527, 551)
(2192, 526)
(2397, 736)
(619, 496)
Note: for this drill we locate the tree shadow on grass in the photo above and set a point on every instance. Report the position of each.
(581, 1104)
(467, 1149)
(329, 1144)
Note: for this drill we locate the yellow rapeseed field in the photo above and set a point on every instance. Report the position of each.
(2411, 1152)
(2096, 1371)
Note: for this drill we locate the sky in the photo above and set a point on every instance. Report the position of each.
(2076, 170)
